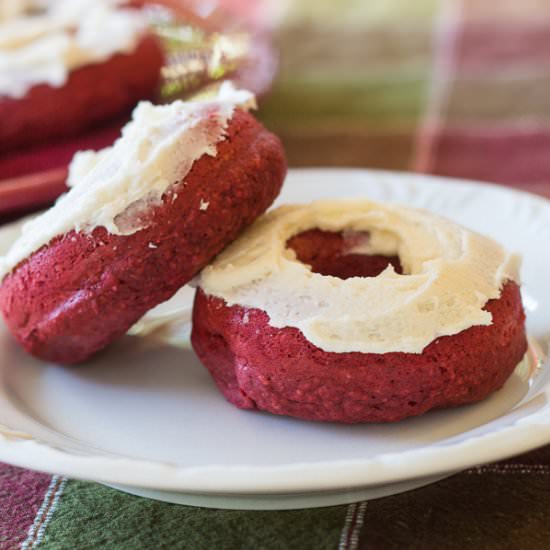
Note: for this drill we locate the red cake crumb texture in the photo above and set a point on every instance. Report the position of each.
(92, 94)
(77, 294)
(257, 366)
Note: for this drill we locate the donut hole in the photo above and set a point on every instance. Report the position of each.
(339, 254)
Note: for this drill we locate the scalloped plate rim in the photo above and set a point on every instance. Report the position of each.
(521, 435)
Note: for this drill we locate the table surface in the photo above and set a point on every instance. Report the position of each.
(460, 90)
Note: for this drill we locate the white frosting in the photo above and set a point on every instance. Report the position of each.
(449, 275)
(170, 322)
(113, 187)
(41, 41)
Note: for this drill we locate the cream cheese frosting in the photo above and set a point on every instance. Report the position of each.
(449, 275)
(41, 41)
(170, 322)
(112, 187)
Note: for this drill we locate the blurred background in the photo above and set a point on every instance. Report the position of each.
(457, 87)
(450, 87)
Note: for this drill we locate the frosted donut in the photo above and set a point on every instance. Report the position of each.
(142, 218)
(358, 312)
(66, 65)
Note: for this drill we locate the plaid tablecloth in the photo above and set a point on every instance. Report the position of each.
(457, 88)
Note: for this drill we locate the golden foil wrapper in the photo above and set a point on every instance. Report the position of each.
(199, 60)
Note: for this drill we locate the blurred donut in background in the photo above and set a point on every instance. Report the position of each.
(66, 65)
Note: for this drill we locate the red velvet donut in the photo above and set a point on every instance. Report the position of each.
(74, 296)
(92, 94)
(257, 366)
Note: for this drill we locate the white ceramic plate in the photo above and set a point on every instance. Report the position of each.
(146, 417)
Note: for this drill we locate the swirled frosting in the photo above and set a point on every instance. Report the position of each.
(111, 188)
(41, 41)
(449, 275)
